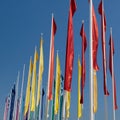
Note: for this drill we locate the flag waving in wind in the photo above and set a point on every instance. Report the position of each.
(83, 70)
(69, 48)
(111, 53)
(103, 31)
(51, 59)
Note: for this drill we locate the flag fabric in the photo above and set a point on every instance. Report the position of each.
(68, 97)
(95, 92)
(41, 69)
(7, 102)
(79, 112)
(111, 53)
(27, 99)
(42, 102)
(69, 48)
(13, 93)
(51, 59)
(95, 39)
(17, 110)
(103, 32)
(57, 86)
(83, 69)
(33, 91)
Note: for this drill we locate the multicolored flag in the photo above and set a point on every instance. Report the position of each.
(27, 99)
(111, 53)
(103, 32)
(69, 48)
(57, 87)
(83, 69)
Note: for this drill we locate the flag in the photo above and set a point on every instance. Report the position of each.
(17, 109)
(83, 69)
(57, 86)
(103, 32)
(69, 48)
(7, 102)
(42, 102)
(79, 114)
(111, 53)
(95, 92)
(51, 59)
(95, 39)
(41, 69)
(33, 92)
(27, 99)
(13, 93)
(68, 97)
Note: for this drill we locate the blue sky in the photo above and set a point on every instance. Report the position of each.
(21, 24)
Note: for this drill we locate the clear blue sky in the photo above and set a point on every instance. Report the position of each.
(22, 22)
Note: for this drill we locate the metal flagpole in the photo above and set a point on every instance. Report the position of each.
(64, 104)
(112, 79)
(21, 95)
(91, 66)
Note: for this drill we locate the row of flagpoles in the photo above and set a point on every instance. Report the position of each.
(58, 93)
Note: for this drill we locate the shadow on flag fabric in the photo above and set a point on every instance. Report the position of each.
(69, 48)
(33, 92)
(111, 53)
(27, 99)
(103, 32)
(51, 59)
(83, 69)
(79, 90)
(57, 86)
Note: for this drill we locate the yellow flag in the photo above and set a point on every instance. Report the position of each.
(41, 69)
(34, 82)
(57, 86)
(68, 97)
(95, 92)
(27, 99)
(79, 94)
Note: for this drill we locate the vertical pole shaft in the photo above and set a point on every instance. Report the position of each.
(91, 66)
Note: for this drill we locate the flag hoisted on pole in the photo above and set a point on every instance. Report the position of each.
(103, 39)
(83, 68)
(79, 114)
(57, 86)
(27, 99)
(33, 87)
(111, 68)
(51, 66)
(69, 54)
(41, 69)
(21, 95)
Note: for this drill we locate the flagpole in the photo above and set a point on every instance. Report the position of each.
(112, 79)
(91, 66)
(21, 95)
(64, 104)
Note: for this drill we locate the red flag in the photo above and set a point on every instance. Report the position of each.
(95, 39)
(83, 71)
(51, 60)
(111, 53)
(103, 32)
(69, 48)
